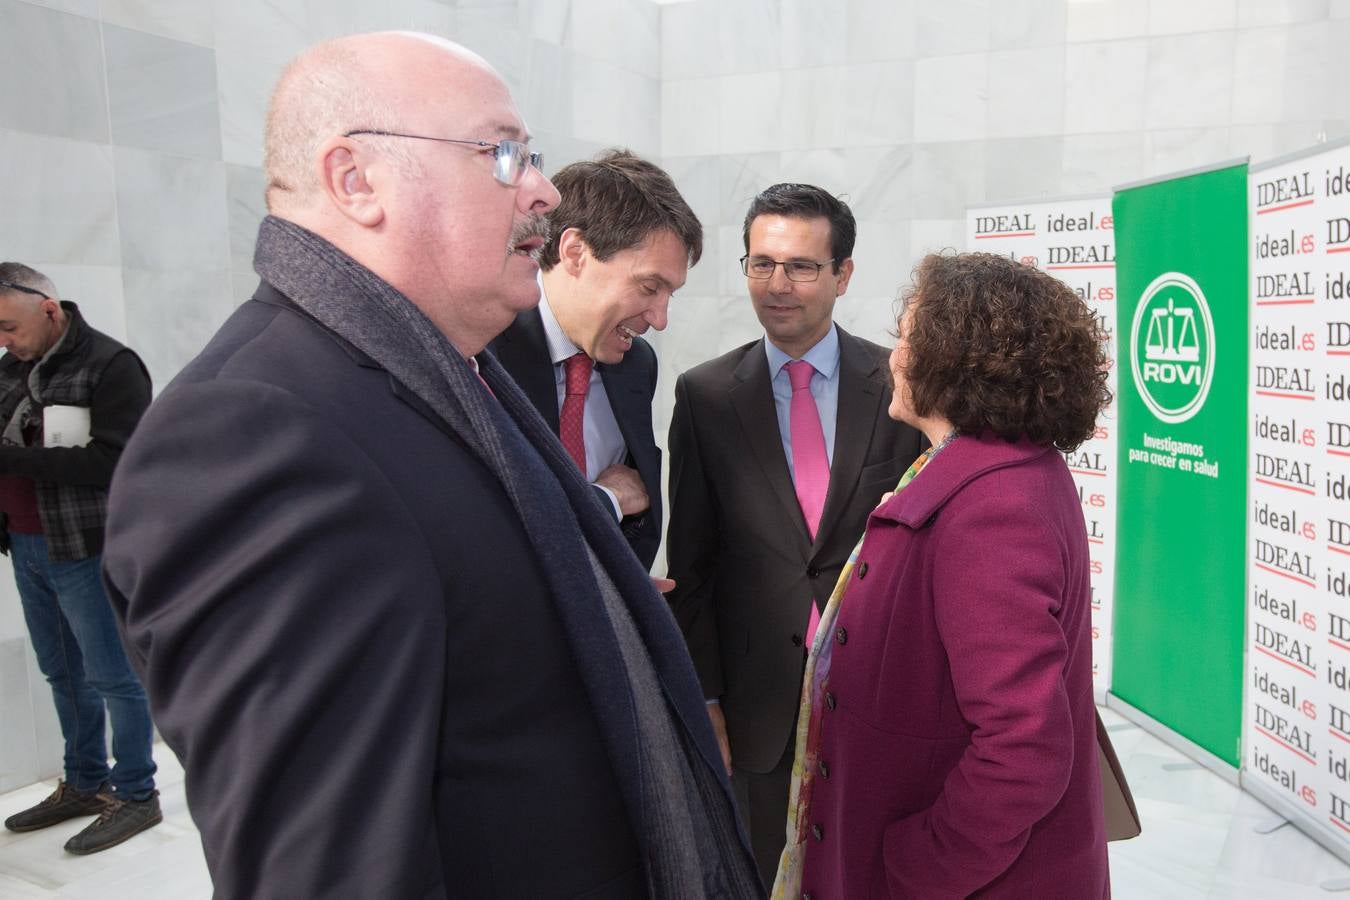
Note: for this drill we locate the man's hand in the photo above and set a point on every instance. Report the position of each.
(627, 486)
(719, 724)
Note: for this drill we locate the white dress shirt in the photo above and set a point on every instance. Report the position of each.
(604, 441)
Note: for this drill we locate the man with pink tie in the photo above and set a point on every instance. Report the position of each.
(779, 449)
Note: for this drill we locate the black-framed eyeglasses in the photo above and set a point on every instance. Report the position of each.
(23, 288)
(510, 157)
(762, 267)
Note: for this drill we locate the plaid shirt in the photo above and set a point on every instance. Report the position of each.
(86, 369)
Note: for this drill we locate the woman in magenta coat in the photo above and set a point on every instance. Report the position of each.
(948, 741)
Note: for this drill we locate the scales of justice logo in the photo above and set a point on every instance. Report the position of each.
(1172, 347)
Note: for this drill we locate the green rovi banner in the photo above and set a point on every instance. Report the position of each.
(1181, 280)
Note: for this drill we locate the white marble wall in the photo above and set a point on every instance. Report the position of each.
(130, 132)
(131, 141)
(915, 109)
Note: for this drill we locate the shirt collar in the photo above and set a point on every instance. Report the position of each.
(823, 357)
(559, 347)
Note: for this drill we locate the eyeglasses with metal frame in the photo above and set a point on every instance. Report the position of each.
(22, 288)
(799, 270)
(509, 157)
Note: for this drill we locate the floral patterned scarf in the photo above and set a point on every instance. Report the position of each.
(788, 884)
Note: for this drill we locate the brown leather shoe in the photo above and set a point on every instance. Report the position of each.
(120, 820)
(64, 803)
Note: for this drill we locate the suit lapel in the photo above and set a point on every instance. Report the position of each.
(860, 396)
(752, 398)
(523, 351)
(626, 398)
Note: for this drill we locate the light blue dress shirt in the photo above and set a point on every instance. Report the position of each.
(824, 358)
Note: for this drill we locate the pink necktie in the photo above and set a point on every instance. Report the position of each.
(571, 419)
(473, 364)
(810, 465)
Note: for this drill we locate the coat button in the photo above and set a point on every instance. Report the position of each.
(829, 700)
(841, 635)
(862, 570)
(818, 832)
(824, 770)
(796, 640)
(813, 572)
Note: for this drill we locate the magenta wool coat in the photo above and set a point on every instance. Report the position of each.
(958, 745)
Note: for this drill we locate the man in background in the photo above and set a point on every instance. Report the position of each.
(779, 450)
(622, 242)
(70, 397)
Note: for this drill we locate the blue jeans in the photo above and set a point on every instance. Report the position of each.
(79, 651)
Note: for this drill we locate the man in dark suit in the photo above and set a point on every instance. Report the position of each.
(623, 241)
(399, 647)
(779, 450)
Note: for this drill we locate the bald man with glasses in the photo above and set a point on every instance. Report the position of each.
(398, 644)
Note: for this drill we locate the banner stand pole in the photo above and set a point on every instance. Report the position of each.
(1280, 810)
(1182, 745)
(1305, 823)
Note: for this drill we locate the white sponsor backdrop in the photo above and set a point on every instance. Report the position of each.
(1296, 709)
(1073, 240)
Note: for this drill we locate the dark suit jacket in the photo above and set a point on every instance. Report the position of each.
(348, 640)
(962, 743)
(744, 567)
(630, 384)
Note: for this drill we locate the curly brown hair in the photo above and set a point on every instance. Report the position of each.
(996, 345)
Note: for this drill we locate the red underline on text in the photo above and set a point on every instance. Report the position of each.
(1338, 823)
(1340, 550)
(1338, 452)
(1339, 250)
(1336, 734)
(1291, 664)
(1087, 472)
(1000, 234)
(1102, 266)
(1287, 396)
(1290, 747)
(1337, 644)
(1270, 209)
(1303, 581)
(1295, 301)
(1338, 353)
(1311, 492)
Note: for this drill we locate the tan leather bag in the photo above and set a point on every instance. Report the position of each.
(1122, 819)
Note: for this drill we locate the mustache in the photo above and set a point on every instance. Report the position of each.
(534, 226)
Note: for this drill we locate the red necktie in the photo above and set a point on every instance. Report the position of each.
(571, 420)
(810, 464)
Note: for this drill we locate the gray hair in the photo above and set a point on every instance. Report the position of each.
(324, 92)
(25, 276)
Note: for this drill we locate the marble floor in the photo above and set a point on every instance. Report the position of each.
(1200, 842)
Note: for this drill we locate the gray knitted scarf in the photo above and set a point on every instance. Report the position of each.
(637, 674)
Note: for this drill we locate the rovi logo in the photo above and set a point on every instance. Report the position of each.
(1172, 347)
